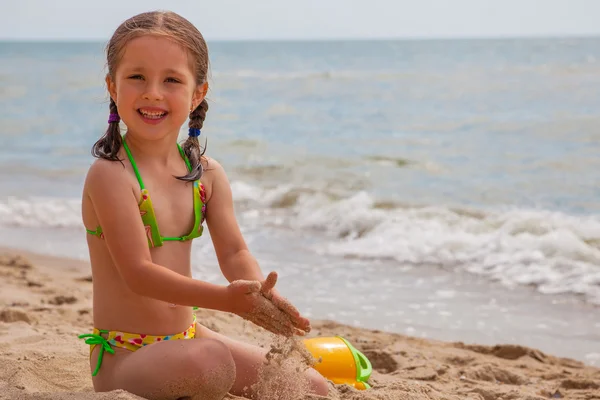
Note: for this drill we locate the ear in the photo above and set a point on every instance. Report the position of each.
(112, 88)
(199, 94)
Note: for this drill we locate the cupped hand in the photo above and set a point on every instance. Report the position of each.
(268, 290)
(247, 300)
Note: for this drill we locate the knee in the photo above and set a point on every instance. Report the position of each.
(214, 363)
(317, 383)
(212, 349)
(214, 354)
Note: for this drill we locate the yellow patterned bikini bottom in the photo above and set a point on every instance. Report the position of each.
(130, 341)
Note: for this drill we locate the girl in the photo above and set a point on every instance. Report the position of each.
(143, 203)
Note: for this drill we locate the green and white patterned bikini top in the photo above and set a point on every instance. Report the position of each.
(147, 211)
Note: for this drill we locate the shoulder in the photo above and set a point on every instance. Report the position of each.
(213, 170)
(106, 175)
(214, 177)
(103, 170)
(211, 165)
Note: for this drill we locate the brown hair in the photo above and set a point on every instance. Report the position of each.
(183, 32)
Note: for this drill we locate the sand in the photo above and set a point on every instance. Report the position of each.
(45, 302)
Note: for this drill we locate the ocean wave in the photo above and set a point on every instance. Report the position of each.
(555, 253)
(40, 212)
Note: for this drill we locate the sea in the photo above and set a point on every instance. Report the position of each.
(444, 189)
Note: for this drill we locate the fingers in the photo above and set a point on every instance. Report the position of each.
(299, 332)
(267, 315)
(276, 327)
(269, 324)
(287, 307)
(268, 309)
(269, 284)
(272, 312)
(272, 325)
(283, 303)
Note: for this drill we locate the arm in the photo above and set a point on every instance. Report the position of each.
(233, 255)
(235, 260)
(116, 208)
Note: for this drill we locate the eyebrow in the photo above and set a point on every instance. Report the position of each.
(167, 71)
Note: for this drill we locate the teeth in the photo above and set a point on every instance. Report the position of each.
(152, 114)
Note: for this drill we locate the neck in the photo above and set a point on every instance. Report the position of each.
(160, 151)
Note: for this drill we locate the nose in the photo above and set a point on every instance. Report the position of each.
(152, 91)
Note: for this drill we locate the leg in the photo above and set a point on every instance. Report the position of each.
(199, 369)
(248, 360)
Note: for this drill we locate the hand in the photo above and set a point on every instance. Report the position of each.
(301, 324)
(246, 300)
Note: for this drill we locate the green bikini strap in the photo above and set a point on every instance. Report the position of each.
(133, 164)
(135, 168)
(197, 213)
(187, 162)
(92, 339)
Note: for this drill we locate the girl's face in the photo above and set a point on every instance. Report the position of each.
(154, 87)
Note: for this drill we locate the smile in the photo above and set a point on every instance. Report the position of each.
(152, 116)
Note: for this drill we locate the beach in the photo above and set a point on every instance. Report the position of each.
(436, 202)
(45, 302)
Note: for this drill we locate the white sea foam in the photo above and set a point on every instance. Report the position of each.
(552, 251)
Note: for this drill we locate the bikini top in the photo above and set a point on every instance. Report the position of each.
(147, 211)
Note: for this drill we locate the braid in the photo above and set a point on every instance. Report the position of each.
(109, 144)
(191, 147)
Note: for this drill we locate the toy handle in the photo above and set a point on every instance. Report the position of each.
(365, 367)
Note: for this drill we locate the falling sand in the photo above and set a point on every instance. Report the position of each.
(283, 376)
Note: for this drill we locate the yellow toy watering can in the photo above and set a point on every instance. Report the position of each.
(338, 361)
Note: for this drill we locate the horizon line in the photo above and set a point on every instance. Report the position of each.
(331, 39)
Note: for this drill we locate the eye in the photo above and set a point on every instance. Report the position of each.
(173, 80)
(135, 77)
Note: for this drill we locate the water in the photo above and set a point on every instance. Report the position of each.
(445, 189)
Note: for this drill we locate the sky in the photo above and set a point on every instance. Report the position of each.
(308, 19)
